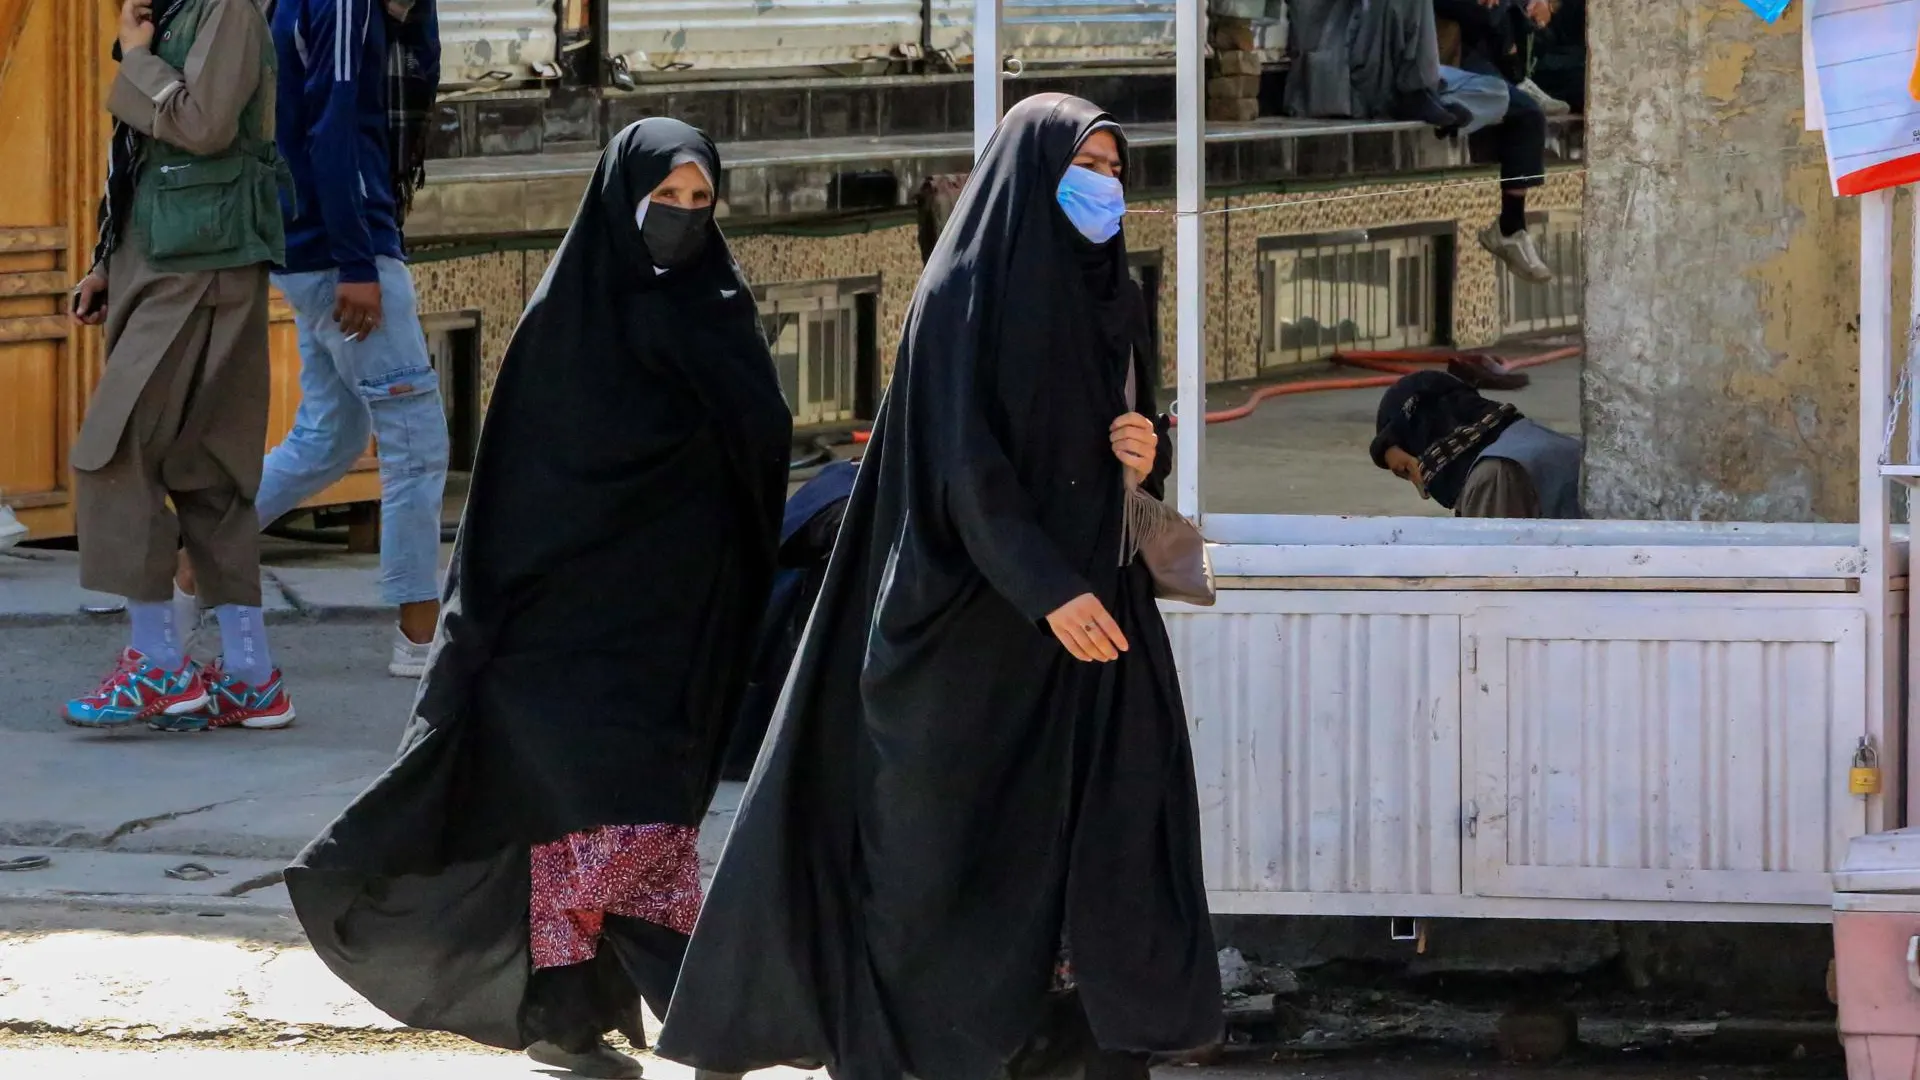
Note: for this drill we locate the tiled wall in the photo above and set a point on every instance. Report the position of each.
(498, 284)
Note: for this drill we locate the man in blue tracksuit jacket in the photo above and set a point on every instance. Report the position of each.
(364, 367)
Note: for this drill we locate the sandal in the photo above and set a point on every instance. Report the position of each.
(194, 871)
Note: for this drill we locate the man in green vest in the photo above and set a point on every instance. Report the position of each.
(169, 452)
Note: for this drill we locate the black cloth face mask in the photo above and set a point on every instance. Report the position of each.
(675, 237)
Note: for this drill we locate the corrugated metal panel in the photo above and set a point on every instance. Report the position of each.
(1042, 30)
(660, 35)
(488, 40)
(1327, 749)
(1678, 755)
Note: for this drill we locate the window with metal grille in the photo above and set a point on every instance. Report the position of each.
(1376, 289)
(453, 347)
(1527, 308)
(822, 336)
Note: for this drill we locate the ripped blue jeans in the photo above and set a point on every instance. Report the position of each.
(385, 388)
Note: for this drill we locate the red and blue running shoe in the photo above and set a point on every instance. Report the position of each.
(139, 690)
(232, 703)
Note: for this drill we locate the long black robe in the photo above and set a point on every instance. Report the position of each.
(946, 795)
(610, 572)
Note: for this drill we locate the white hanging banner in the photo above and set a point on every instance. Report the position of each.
(1864, 51)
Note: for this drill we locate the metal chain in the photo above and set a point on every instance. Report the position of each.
(1901, 387)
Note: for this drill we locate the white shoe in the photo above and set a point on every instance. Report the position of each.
(1549, 104)
(186, 618)
(11, 531)
(1518, 252)
(409, 657)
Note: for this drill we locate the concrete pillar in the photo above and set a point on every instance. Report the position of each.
(1722, 292)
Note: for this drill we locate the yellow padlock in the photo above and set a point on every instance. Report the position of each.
(1864, 777)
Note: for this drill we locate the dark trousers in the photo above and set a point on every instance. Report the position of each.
(1519, 141)
(574, 1006)
(1564, 78)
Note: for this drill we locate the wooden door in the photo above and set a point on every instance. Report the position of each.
(55, 66)
(49, 96)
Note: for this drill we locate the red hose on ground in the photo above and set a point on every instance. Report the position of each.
(1394, 363)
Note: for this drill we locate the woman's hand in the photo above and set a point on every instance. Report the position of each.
(1540, 11)
(1135, 443)
(1088, 632)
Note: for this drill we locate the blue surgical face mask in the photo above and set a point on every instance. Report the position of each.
(1093, 202)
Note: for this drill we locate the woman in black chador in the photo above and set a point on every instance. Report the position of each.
(970, 848)
(526, 872)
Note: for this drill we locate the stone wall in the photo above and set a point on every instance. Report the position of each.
(1722, 297)
(498, 284)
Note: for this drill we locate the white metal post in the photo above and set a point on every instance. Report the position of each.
(1902, 345)
(987, 63)
(1876, 364)
(1189, 246)
(1900, 352)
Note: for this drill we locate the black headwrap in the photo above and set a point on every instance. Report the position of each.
(611, 570)
(1121, 318)
(125, 153)
(613, 367)
(1444, 423)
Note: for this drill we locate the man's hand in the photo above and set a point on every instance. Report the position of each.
(90, 300)
(136, 25)
(356, 307)
(1088, 632)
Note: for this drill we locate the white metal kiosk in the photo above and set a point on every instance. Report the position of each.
(1588, 720)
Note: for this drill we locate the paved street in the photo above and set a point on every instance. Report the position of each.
(226, 793)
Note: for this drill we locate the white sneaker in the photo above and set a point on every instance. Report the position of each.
(1518, 252)
(409, 657)
(1549, 104)
(11, 531)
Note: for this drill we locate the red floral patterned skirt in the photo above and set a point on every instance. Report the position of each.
(649, 872)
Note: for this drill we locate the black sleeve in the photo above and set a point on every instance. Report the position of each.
(966, 470)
